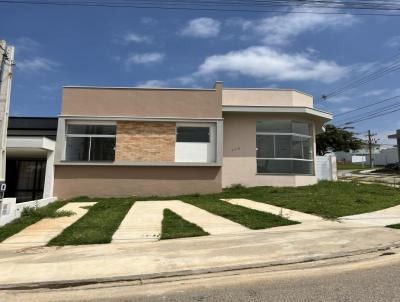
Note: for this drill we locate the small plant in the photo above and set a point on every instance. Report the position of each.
(237, 187)
(45, 212)
(86, 207)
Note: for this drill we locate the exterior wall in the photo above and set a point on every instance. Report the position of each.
(188, 103)
(120, 181)
(145, 141)
(240, 166)
(265, 97)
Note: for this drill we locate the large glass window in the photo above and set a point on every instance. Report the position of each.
(90, 142)
(284, 146)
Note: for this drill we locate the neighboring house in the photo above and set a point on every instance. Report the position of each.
(163, 141)
(30, 157)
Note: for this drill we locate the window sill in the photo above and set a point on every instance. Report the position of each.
(138, 164)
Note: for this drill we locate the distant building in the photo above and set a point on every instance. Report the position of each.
(397, 136)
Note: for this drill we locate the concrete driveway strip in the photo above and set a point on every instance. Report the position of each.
(144, 219)
(141, 223)
(378, 218)
(43, 231)
(264, 207)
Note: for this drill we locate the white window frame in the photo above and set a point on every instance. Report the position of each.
(94, 123)
(212, 135)
(274, 134)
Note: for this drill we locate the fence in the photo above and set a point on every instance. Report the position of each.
(10, 209)
(325, 167)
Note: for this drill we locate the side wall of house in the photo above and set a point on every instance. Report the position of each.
(240, 165)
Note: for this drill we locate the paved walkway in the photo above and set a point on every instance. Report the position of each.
(43, 231)
(264, 207)
(378, 218)
(143, 221)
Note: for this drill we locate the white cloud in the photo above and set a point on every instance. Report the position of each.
(152, 83)
(345, 109)
(393, 42)
(374, 92)
(148, 21)
(36, 65)
(26, 44)
(145, 58)
(202, 28)
(280, 30)
(51, 87)
(135, 38)
(267, 64)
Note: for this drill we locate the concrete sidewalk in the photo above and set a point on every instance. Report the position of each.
(119, 261)
(378, 218)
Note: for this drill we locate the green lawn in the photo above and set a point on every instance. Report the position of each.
(350, 166)
(174, 226)
(31, 216)
(250, 218)
(327, 199)
(98, 225)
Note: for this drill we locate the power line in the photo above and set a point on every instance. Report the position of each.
(380, 72)
(372, 112)
(368, 118)
(367, 106)
(160, 5)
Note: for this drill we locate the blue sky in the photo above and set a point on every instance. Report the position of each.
(58, 46)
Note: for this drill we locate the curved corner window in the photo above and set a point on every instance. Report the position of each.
(284, 147)
(90, 142)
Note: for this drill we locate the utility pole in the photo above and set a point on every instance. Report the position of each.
(6, 65)
(370, 142)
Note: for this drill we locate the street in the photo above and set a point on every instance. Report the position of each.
(372, 280)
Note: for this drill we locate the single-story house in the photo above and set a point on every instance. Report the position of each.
(124, 141)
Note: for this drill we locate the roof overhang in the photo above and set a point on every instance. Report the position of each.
(325, 116)
(26, 142)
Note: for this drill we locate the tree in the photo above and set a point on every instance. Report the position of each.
(337, 139)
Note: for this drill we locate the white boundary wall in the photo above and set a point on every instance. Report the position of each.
(10, 209)
(387, 156)
(325, 167)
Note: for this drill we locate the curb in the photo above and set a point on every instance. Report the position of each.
(185, 273)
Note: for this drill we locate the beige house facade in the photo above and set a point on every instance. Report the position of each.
(116, 142)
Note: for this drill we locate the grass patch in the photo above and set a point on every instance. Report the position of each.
(98, 225)
(249, 218)
(350, 166)
(394, 226)
(327, 199)
(30, 216)
(174, 226)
